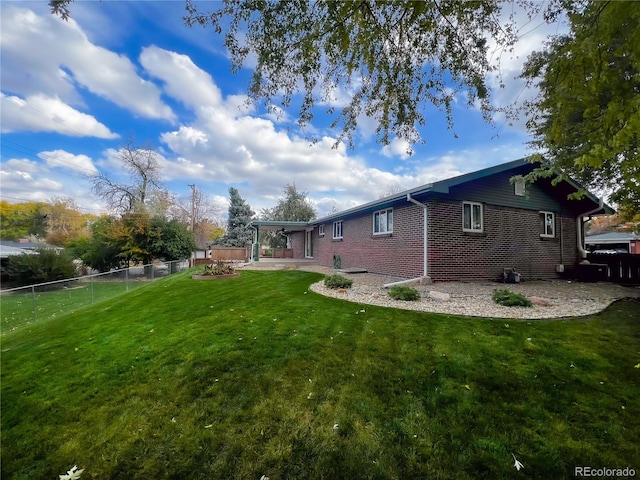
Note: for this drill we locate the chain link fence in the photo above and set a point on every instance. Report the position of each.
(23, 306)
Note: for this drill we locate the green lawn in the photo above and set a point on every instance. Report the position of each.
(254, 375)
(20, 308)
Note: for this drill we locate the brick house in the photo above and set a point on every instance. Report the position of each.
(477, 225)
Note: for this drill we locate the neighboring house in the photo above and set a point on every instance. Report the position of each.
(630, 242)
(9, 249)
(471, 227)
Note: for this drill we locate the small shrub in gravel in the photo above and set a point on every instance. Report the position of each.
(400, 292)
(337, 281)
(510, 299)
(217, 268)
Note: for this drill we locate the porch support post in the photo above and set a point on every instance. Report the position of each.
(256, 245)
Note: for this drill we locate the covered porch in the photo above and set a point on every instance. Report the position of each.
(292, 253)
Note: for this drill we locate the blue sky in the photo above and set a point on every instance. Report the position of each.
(74, 92)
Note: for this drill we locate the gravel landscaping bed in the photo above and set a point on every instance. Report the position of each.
(557, 298)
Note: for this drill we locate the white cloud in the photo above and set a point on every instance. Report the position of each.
(39, 113)
(24, 177)
(221, 140)
(46, 54)
(61, 158)
(225, 144)
(28, 180)
(397, 148)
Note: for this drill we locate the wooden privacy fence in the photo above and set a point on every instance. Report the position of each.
(225, 254)
(621, 267)
(276, 252)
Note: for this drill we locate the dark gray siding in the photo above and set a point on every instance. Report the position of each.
(498, 190)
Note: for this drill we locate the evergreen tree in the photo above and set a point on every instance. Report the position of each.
(240, 215)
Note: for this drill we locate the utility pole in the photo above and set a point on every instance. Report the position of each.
(193, 206)
(193, 218)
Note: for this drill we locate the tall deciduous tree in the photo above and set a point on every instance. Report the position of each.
(394, 60)
(202, 211)
(65, 221)
(144, 171)
(586, 119)
(294, 206)
(240, 215)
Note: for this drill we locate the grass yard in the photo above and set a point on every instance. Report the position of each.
(18, 307)
(252, 376)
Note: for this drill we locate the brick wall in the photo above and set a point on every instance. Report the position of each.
(511, 238)
(396, 254)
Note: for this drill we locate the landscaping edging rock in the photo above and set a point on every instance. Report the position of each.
(474, 299)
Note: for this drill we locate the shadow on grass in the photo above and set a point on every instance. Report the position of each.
(256, 375)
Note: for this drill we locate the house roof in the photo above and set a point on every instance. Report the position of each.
(611, 237)
(26, 245)
(7, 251)
(443, 186)
(440, 187)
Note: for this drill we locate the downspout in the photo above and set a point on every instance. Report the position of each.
(583, 252)
(425, 271)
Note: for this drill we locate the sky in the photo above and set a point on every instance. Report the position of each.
(74, 92)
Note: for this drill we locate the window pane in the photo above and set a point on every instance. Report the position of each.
(390, 221)
(466, 208)
(549, 224)
(477, 217)
(337, 230)
(383, 222)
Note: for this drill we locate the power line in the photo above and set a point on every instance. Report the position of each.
(22, 149)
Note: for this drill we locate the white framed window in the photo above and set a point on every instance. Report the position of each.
(519, 187)
(383, 221)
(547, 224)
(321, 230)
(337, 230)
(472, 220)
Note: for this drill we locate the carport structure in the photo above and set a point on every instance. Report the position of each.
(284, 228)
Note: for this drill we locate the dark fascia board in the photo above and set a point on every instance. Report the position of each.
(275, 224)
(443, 187)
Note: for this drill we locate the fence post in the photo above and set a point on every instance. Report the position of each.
(35, 304)
(126, 278)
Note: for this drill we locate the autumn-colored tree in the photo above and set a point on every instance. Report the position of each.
(198, 210)
(22, 220)
(65, 221)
